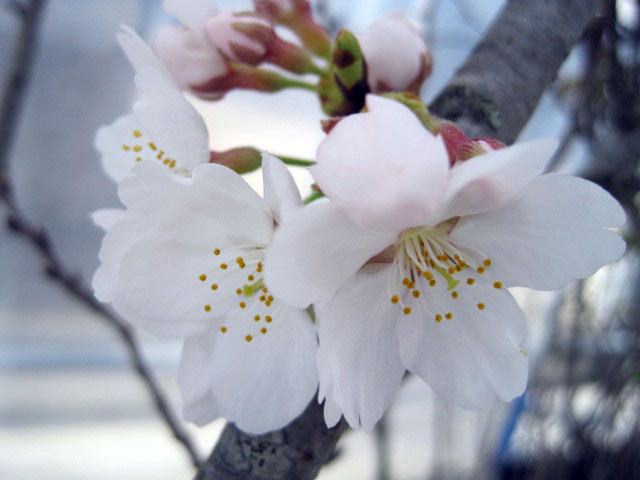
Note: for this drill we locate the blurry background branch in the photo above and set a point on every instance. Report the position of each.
(13, 96)
(492, 95)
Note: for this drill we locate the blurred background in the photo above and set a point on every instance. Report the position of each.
(70, 406)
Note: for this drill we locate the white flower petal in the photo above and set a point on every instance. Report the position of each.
(332, 412)
(189, 57)
(115, 143)
(472, 357)
(106, 218)
(551, 233)
(383, 168)
(199, 405)
(265, 383)
(280, 190)
(170, 120)
(165, 286)
(358, 342)
(138, 52)
(316, 251)
(487, 182)
(213, 209)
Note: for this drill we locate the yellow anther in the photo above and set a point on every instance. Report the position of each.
(214, 286)
(262, 298)
(462, 264)
(524, 353)
(264, 289)
(454, 294)
(207, 308)
(259, 270)
(202, 277)
(159, 156)
(248, 338)
(242, 304)
(497, 285)
(137, 148)
(406, 310)
(138, 159)
(451, 270)
(457, 257)
(152, 146)
(449, 316)
(137, 133)
(223, 266)
(438, 318)
(428, 275)
(223, 329)
(432, 283)
(257, 318)
(416, 293)
(270, 298)
(216, 251)
(126, 148)
(239, 291)
(268, 318)
(263, 330)
(470, 281)
(268, 303)
(250, 278)
(406, 281)
(487, 262)
(480, 270)
(410, 285)
(172, 164)
(239, 260)
(394, 299)
(481, 306)
(166, 161)
(432, 264)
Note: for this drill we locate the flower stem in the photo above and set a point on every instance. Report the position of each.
(296, 162)
(315, 195)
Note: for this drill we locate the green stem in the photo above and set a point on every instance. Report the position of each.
(296, 162)
(315, 195)
(286, 82)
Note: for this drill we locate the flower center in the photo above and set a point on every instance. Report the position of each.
(239, 280)
(427, 258)
(143, 149)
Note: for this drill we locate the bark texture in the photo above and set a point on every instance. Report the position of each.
(493, 94)
(496, 90)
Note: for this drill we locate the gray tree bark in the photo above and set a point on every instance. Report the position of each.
(492, 94)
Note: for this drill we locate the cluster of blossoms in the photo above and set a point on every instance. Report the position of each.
(402, 262)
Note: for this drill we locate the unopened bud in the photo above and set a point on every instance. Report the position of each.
(297, 15)
(350, 69)
(240, 160)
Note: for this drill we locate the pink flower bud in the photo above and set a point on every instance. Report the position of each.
(227, 32)
(189, 57)
(397, 58)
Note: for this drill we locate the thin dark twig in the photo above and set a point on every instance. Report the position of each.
(41, 241)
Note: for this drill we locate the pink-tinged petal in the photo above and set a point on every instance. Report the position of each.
(264, 381)
(465, 348)
(212, 209)
(487, 182)
(383, 168)
(280, 191)
(198, 403)
(316, 251)
(395, 55)
(358, 342)
(551, 233)
(221, 33)
(189, 57)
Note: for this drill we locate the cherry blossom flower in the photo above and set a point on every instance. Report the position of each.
(397, 58)
(186, 260)
(163, 127)
(410, 260)
(186, 50)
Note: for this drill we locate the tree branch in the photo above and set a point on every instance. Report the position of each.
(40, 240)
(496, 90)
(492, 95)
